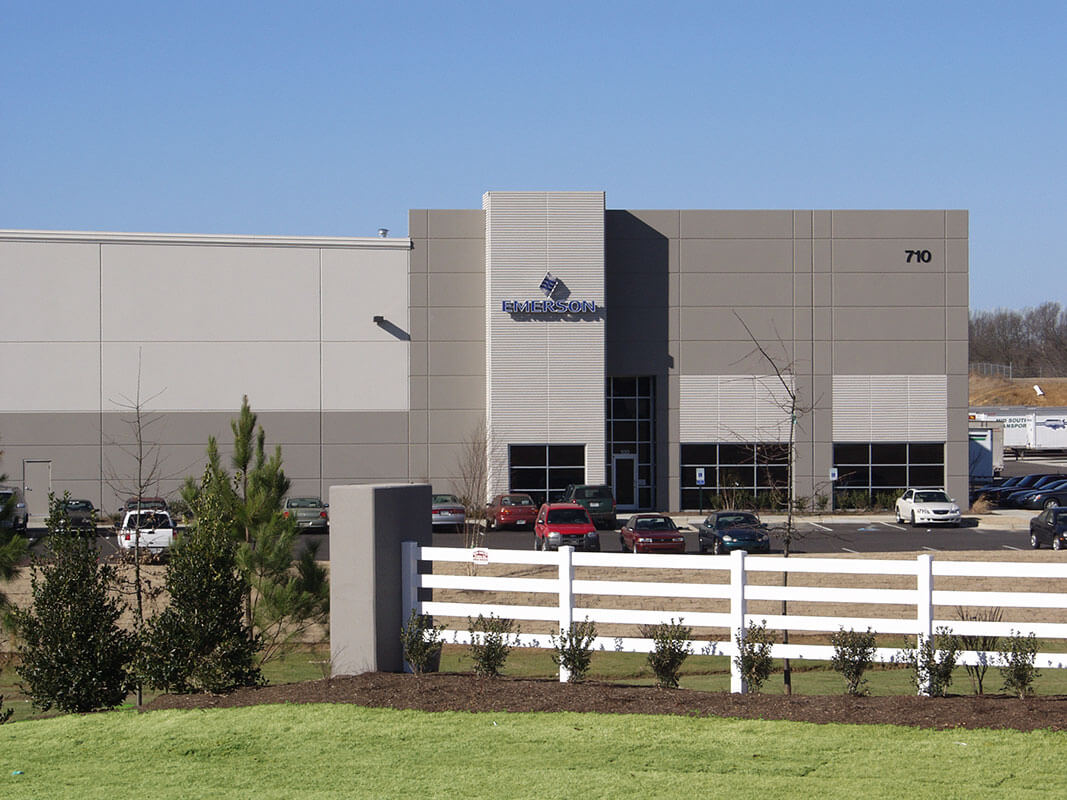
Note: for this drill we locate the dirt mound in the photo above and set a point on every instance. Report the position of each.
(456, 692)
(989, 391)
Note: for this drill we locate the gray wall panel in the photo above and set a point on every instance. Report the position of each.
(455, 224)
(729, 290)
(58, 428)
(927, 291)
(891, 224)
(364, 461)
(731, 224)
(456, 358)
(736, 255)
(455, 255)
(640, 224)
(888, 256)
(462, 289)
(888, 358)
(456, 324)
(385, 427)
(883, 324)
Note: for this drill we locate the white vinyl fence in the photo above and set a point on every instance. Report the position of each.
(562, 589)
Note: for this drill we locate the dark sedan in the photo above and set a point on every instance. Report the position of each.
(726, 531)
(651, 533)
(81, 513)
(1049, 496)
(1049, 528)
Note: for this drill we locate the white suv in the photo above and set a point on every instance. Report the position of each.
(155, 527)
(927, 507)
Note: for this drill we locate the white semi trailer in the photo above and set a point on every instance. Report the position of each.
(1027, 430)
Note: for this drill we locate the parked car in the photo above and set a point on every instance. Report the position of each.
(511, 511)
(155, 527)
(18, 518)
(559, 524)
(1048, 496)
(309, 512)
(597, 499)
(1032, 481)
(651, 533)
(81, 513)
(927, 507)
(726, 531)
(1049, 527)
(448, 511)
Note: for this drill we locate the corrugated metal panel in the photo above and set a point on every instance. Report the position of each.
(890, 408)
(544, 375)
(725, 408)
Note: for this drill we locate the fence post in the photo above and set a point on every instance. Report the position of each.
(409, 586)
(924, 605)
(737, 616)
(566, 598)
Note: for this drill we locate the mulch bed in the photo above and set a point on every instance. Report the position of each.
(464, 692)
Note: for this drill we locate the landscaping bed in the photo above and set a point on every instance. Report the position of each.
(464, 692)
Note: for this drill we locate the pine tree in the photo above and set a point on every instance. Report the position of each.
(74, 656)
(280, 601)
(200, 641)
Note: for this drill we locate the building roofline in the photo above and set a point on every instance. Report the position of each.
(111, 237)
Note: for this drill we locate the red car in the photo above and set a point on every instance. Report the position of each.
(511, 511)
(561, 524)
(651, 533)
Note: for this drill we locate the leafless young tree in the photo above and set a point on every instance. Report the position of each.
(784, 372)
(142, 480)
(471, 483)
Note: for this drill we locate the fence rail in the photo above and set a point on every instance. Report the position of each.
(563, 588)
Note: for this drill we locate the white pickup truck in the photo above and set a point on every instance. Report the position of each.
(155, 527)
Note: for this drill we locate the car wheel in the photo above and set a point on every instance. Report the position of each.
(900, 519)
(1034, 543)
(914, 524)
(716, 547)
(1057, 543)
(1052, 502)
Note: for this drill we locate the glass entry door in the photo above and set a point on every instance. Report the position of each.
(624, 481)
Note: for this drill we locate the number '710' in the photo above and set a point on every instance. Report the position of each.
(922, 256)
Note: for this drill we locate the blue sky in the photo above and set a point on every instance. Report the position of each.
(336, 118)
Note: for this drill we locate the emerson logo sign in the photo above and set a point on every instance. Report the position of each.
(552, 287)
(548, 306)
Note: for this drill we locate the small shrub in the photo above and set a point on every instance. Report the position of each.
(574, 649)
(491, 643)
(753, 658)
(853, 656)
(421, 642)
(5, 713)
(671, 646)
(1017, 664)
(981, 506)
(821, 502)
(979, 644)
(74, 655)
(932, 662)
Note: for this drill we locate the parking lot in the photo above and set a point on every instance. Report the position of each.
(1001, 531)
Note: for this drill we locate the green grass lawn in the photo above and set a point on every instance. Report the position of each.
(339, 751)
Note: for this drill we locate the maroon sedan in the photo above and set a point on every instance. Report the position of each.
(511, 511)
(651, 533)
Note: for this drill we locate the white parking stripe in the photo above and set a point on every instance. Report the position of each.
(817, 525)
(891, 525)
(931, 549)
(1009, 547)
(847, 550)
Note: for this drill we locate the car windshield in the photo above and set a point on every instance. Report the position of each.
(931, 497)
(78, 505)
(148, 521)
(593, 493)
(439, 499)
(735, 520)
(1059, 516)
(567, 516)
(516, 500)
(656, 524)
(305, 502)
